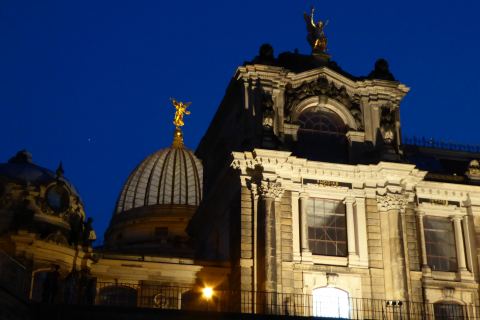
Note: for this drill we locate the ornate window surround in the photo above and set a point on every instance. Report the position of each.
(459, 217)
(440, 243)
(355, 224)
(327, 219)
(312, 103)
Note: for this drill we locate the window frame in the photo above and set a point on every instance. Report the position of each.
(427, 242)
(325, 227)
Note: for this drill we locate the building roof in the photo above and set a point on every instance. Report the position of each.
(168, 176)
(21, 169)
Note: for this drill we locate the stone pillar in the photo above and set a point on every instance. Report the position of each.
(468, 244)
(270, 245)
(351, 243)
(253, 298)
(306, 253)
(391, 205)
(361, 231)
(423, 247)
(296, 227)
(459, 245)
(267, 271)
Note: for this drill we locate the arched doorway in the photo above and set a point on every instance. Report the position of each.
(118, 295)
(331, 302)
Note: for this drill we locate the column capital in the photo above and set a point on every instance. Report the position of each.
(420, 213)
(270, 189)
(456, 217)
(349, 200)
(392, 201)
(303, 195)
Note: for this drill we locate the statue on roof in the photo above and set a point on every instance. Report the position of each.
(180, 112)
(316, 37)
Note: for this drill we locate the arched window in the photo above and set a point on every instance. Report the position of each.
(321, 136)
(322, 120)
(331, 302)
(118, 295)
(447, 310)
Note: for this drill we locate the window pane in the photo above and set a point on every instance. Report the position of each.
(327, 233)
(447, 311)
(440, 244)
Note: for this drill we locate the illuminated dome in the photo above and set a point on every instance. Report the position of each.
(171, 176)
(157, 201)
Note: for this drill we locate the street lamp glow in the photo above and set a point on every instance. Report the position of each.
(207, 293)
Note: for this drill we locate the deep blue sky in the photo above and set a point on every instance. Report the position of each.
(88, 82)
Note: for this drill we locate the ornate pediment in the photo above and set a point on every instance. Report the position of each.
(322, 87)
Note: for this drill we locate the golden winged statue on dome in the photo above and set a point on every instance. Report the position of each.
(181, 110)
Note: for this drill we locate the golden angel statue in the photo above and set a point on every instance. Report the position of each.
(316, 37)
(181, 110)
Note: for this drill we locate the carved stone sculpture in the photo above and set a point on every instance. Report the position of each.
(387, 124)
(316, 36)
(392, 201)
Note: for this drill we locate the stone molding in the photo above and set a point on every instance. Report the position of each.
(382, 178)
(278, 77)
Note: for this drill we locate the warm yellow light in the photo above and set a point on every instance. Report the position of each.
(207, 293)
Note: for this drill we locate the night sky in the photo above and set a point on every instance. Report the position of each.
(87, 82)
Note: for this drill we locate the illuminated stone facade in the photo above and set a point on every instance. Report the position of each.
(307, 192)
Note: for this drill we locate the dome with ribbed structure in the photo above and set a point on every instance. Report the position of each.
(157, 202)
(171, 176)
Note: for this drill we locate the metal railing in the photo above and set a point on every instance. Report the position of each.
(285, 304)
(440, 144)
(13, 276)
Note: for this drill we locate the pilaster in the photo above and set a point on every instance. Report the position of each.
(306, 253)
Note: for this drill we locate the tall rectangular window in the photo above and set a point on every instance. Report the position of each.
(327, 233)
(440, 244)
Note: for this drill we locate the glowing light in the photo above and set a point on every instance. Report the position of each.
(207, 293)
(331, 303)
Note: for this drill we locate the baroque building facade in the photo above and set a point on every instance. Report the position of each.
(301, 199)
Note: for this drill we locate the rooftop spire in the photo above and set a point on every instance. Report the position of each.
(60, 170)
(181, 110)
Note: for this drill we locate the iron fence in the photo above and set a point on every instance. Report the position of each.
(285, 304)
(440, 144)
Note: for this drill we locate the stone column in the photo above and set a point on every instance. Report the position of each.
(459, 245)
(306, 253)
(423, 247)
(391, 205)
(269, 191)
(255, 251)
(361, 231)
(351, 245)
(270, 245)
(468, 244)
(296, 227)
